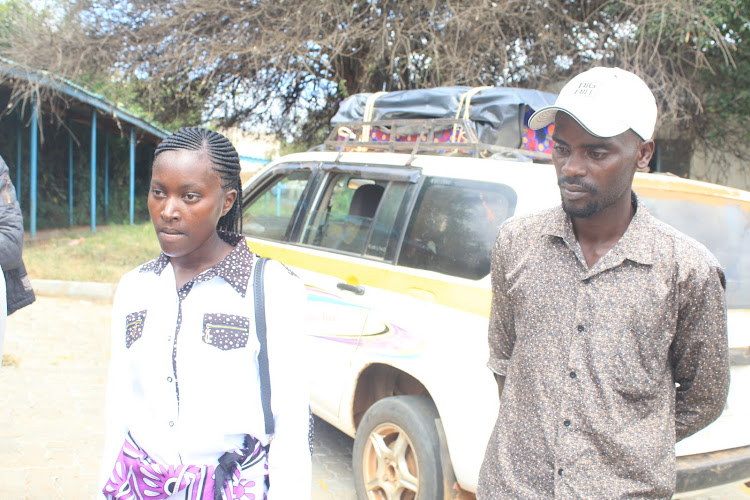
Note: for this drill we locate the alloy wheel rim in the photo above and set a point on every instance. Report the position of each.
(389, 466)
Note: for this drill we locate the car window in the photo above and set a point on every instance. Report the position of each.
(269, 213)
(386, 229)
(454, 226)
(721, 225)
(355, 214)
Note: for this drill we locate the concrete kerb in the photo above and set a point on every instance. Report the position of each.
(74, 289)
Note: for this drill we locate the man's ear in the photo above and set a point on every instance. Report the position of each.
(229, 197)
(645, 153)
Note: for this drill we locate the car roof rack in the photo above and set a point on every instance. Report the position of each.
(433, 136)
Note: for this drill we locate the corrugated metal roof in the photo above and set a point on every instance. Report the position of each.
(66, 87)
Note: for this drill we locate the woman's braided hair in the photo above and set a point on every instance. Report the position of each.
(224, 158)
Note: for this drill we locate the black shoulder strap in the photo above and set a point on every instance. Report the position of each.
(260, 329)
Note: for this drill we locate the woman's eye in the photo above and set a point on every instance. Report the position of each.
(191, 197)
(156, 192)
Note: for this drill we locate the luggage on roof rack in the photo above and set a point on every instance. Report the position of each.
(488, 120)
(430, 136)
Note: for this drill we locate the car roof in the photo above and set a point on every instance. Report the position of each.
(501, 170)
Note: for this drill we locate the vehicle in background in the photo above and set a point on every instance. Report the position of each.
(394, 249)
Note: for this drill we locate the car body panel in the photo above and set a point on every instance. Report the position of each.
(433, 326)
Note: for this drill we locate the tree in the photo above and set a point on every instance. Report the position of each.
(287, 63)
(55, 38)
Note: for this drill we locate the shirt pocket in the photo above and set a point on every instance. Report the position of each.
(640, 362)
(225, 331)
(134, 327)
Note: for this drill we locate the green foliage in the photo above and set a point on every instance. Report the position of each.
(727, 86)
(165, 109)
(10, 11)
(80, 255)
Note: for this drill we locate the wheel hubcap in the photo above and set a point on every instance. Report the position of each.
(389, 465)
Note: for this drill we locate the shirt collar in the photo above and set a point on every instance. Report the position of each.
(637, 244)
(235, 269)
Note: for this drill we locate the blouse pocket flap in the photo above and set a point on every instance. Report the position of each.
(225, 331)
(134, 326)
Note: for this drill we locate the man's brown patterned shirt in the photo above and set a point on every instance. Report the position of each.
(605, 367)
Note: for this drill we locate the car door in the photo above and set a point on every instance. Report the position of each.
(348, 221)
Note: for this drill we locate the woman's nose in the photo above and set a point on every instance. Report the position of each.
(169, 210)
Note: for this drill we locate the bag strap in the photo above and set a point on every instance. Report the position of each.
(260, 329)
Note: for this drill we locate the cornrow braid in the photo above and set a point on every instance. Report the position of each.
(224, 158)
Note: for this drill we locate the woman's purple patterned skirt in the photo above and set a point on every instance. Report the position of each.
(136, 475)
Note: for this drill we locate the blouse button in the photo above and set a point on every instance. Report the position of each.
(566, 423)
(573, 375)
(581, 328)
(171, 424)
(169, 379)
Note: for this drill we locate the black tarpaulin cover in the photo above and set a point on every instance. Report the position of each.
(498, 115)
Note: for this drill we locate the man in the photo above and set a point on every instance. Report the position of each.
(608, 327)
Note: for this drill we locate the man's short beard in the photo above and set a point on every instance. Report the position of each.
(588, 210)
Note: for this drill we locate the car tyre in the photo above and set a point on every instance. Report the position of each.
(397, 451)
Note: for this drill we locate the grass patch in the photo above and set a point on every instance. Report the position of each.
(79, 255)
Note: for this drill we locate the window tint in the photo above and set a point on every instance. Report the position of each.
(349, 217)
(270, 212)
(454, 226)
(722, 226)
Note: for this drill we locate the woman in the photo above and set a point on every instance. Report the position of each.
(184, 415)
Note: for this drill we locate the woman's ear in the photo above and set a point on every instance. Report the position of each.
(229, 198)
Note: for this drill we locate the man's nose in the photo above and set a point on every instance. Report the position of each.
(574, 166)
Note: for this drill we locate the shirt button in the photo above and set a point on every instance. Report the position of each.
(566, 423)
(169, 379)
(171, 424)
(573, 375)
(581, 328)
(559, 472)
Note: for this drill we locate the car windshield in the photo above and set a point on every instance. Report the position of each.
(720, 224)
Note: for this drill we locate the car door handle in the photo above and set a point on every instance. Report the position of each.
(357, 290)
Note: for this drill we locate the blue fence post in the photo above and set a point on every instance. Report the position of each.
(93, 170)
(132, 174)
(106, 176)
(33, 161)
(70, 172)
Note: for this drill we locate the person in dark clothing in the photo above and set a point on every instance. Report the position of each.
(18, 289)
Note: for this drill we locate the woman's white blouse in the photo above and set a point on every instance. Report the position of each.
(184, 377)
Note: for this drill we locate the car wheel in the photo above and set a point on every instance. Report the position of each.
(397, 451)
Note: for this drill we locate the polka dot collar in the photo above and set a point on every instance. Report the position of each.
(235, 269)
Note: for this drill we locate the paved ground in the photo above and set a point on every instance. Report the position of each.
(51, 407)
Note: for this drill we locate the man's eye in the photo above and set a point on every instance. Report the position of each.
(559, 149)
(597, 155)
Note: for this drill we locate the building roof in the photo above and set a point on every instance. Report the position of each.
(82, 98)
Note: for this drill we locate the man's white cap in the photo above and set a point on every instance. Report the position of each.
(604, 101)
